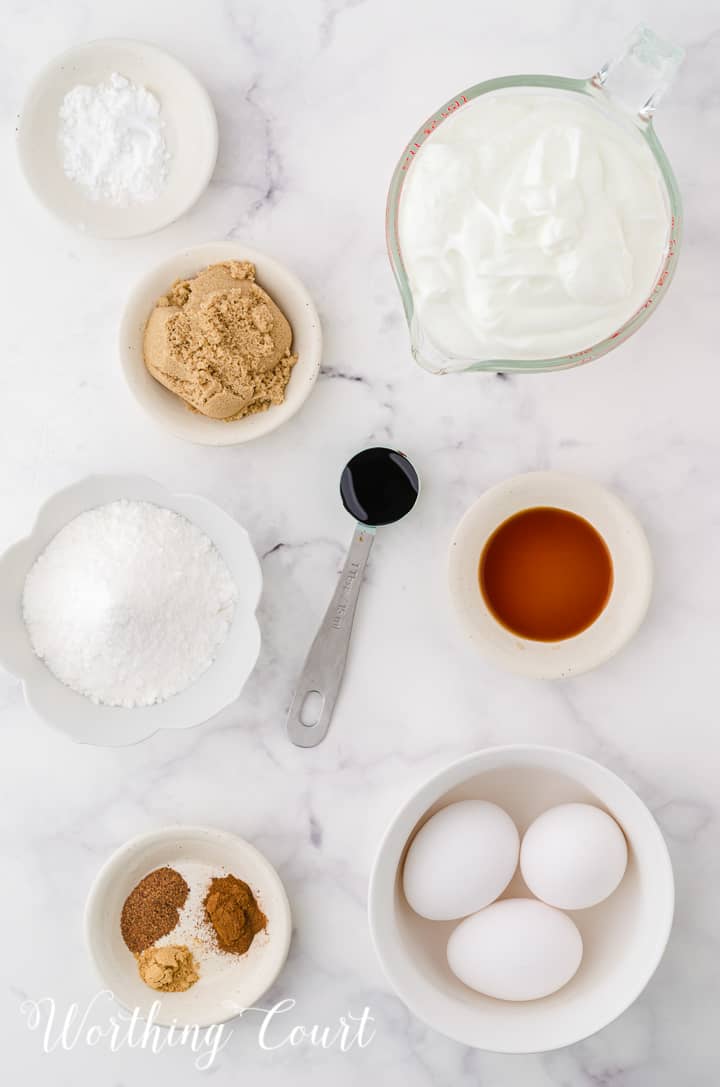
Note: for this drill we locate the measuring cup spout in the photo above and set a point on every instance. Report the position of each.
(428, 355)
(637, 79)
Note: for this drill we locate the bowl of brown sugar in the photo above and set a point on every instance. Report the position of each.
(220, 344)
(193, 918)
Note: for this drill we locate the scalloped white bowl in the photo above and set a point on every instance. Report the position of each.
(112, 726)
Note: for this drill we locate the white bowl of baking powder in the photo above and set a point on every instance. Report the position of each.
(188, 127)
(84, 720)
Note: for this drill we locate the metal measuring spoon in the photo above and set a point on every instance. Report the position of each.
(377, 487)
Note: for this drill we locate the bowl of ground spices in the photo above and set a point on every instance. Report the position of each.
(193, 918)
(220, 344)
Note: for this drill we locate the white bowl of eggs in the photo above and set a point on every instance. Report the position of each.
(521, 899)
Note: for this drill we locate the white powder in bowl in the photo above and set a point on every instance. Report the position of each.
(129, 604)
(112, 143)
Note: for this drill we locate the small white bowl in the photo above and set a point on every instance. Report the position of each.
(624, 937)
(169, 410)
(632, 574)
(223, 990)
(113, 726)
(191, 135)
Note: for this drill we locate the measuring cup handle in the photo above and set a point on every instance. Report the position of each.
(325, 663)
(638, 78)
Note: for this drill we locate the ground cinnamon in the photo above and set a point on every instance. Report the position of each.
(152, 908)
(233, 913)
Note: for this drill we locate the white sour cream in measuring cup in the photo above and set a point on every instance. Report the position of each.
(532, 224)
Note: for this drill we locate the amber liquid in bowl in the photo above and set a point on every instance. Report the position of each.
(546, 574)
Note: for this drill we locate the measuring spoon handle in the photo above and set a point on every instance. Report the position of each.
(325, 663)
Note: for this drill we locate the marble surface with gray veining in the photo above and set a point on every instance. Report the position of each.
(315, 100)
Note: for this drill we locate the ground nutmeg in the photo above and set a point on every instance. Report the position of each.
(151, 910)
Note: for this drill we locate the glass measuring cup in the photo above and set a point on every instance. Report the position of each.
(628, 88)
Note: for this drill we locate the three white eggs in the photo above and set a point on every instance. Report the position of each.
(463, 858)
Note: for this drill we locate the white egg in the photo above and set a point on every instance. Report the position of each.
(460, 860)
(573, 856)
(516, 949)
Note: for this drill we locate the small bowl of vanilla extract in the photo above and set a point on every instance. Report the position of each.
(550, 573)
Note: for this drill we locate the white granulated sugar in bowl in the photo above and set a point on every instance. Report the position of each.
(129, 604)
(112, 143)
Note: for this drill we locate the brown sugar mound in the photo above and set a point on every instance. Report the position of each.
(152, 908)
(220, 343)
(234, 914)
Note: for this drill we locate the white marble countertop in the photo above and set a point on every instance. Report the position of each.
(315, 102)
